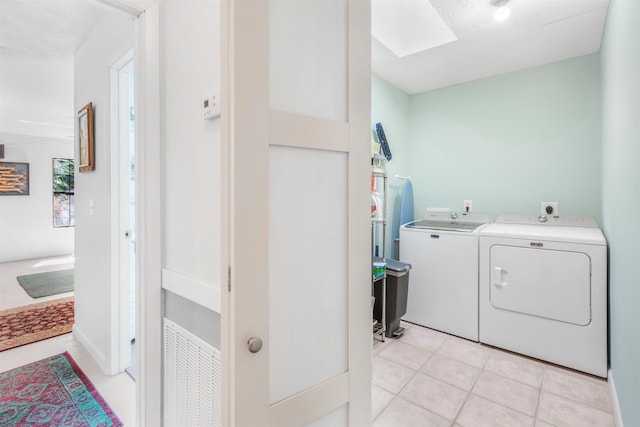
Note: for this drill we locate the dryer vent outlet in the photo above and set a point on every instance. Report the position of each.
(549, 208)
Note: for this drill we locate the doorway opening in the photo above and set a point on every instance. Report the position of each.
(123, 169)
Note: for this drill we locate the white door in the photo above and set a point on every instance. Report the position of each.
(296, 118)
(126, 115)
(123, 210)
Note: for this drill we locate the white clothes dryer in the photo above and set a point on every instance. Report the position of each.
(543, 289)
(442, 249)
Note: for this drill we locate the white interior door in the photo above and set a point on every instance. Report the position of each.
(123, 211)
(296, 116)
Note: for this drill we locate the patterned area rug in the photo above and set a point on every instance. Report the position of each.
(31, 323)
(52, 392)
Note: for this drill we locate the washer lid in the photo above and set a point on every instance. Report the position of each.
(450, 225)
(583, 235)
(450, 221)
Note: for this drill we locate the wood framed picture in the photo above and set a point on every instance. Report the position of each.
(86, 145)
(14, 179)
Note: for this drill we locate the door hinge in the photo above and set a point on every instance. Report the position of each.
(229, 279)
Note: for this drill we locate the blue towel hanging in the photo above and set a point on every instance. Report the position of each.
(406, 202)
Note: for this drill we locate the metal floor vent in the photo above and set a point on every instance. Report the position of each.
(192, 379)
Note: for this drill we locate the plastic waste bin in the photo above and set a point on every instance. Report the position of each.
(397, 285)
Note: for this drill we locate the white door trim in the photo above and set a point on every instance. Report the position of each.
(148, 219)
(359, 228)
(226, 332)
(146, 16)
(119, 351)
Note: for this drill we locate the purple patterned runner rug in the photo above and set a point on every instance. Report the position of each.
(52, 392)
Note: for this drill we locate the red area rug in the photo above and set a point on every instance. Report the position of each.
(31, 323)
(52, 392)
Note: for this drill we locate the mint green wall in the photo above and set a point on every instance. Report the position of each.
(510, 142)
(620, 56)
(390, 106)
(561, 132)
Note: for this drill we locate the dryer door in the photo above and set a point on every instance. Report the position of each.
(552, 284)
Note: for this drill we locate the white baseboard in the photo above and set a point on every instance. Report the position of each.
(615, 405)
(93, 351)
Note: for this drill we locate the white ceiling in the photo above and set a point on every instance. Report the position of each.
(38, 39)
(537, 32)
(46, 28)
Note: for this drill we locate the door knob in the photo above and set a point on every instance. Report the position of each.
(254, 344)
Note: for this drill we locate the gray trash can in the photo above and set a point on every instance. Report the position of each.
(395, 298)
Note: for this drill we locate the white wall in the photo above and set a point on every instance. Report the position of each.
(37, 96)
(191, 65)
(93, 60)
(36, 125)
(190, 43)
(26, 222)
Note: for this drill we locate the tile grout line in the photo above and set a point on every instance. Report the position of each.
(453, 420)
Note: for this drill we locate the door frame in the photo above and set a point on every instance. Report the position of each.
(146, 56)
(148, 217)
(120, 268)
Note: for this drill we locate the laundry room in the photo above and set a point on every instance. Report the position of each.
(507, 143)
(546, 130)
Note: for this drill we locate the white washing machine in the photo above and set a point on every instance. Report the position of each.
(543, 289)
(442, 249)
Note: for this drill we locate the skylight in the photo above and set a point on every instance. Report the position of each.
(406, 27)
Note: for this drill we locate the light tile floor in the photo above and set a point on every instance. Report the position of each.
(118, 390)
(428, 378)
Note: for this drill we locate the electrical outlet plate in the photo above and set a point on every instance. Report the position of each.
(467, 205)
(552, 205)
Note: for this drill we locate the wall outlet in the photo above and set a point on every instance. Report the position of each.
(467, 205)
(549, 208)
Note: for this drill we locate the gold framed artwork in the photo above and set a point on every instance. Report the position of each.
(86, 146)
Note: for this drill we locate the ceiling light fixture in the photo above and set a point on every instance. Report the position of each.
(502, 12)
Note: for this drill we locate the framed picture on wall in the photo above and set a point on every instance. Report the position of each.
(14, 179)
(86, 147)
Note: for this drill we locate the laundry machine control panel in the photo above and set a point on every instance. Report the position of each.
(548, 220)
